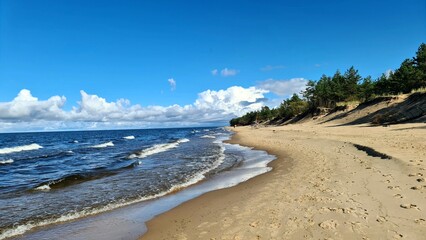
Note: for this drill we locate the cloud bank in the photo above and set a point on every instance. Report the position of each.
(26, 112)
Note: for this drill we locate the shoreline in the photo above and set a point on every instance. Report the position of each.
(321, 186)
(155, 226)
(129, 218)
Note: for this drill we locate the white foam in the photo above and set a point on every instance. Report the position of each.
(158, 148)
(207, 136)
(43, 188)
(104, 145)
(183, 140)
(201, 175)
(70, 151)
(6, 161)
(29, 147)
(129, 137)
(75, 141)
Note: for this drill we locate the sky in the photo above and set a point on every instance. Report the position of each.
(69, 65)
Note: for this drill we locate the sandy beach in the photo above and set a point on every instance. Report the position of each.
(321, 187)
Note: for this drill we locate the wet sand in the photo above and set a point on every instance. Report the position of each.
(322, 186)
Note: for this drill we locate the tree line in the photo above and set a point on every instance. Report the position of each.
(349, 86)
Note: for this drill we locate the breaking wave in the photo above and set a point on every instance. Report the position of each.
(83, 177)
(6, 161)
(158, 148)
(129, 137)
(29, 147)
(70, 180)
(207, 136)
(104, 145)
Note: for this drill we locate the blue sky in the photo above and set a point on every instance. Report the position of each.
(130, 49)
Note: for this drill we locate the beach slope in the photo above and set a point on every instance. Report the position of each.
(328, 182)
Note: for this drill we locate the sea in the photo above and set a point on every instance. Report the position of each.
(49, 178)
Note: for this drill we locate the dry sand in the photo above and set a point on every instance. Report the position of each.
(321, 187)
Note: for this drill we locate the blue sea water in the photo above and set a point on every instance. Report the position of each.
(54, 177)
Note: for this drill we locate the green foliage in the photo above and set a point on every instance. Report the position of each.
(366, 89)
(409, 76)
(288, 108)
(420, 60)
(292, 107)
(350, 86)
(265, 114)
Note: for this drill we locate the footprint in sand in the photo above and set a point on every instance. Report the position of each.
(409, 206)
(420, 179)
(415, 175)
(356, 227)
(394, 187)
(397, 235)
(398, 196)
(420, 221)
(254, 224)
(381, 219)
(417, 187)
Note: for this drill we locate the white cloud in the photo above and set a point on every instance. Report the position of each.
(234, 100)
(172, 83)
(284, 87)
(94, 108)
(270, 67)
(228, 72)
(26, 112)
(26, 107)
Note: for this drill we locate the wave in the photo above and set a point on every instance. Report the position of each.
(48, 155)
(21, 229)
(6, 161)
(129, 137)
(45, 187)
(29, 147)
(183, 140)
(77, 178)
(157, 149)
(207, 136)
(71, 180)
(104, 145)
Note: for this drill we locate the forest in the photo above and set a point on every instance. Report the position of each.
(332, 91)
